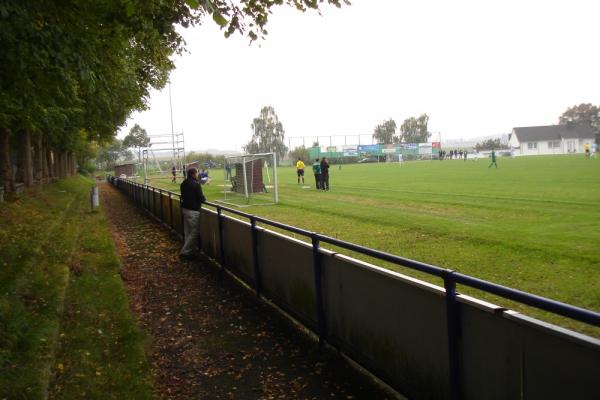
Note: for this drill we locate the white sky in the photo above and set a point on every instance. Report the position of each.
(476, 67)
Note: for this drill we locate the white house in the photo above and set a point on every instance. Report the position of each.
(551, 139)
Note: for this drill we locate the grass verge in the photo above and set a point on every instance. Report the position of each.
(65, 326)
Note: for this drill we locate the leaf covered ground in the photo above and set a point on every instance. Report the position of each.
(212, 339)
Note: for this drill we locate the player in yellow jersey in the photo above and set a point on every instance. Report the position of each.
(300, 170)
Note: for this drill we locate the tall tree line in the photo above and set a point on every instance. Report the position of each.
(72, 71)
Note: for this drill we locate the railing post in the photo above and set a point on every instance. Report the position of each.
(257, 275)
(452, 325)
(181, 219)
(318, 274)
(153, 202)
(162, 216)
(171, 211)
(221, 244)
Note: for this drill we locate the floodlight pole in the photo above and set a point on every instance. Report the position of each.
(245, 177)
(172, 129)
(275, 178)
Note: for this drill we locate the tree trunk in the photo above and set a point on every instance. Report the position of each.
(63, 164)
(45, 165)
(6, 174)
(59, 164)
(71, 164)
(25, 159)
(66, 164)
(74, 163)
(39, 160)
(55, 173)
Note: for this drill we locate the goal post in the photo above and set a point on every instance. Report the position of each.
(250, 179)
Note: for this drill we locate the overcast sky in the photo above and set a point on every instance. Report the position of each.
(475, 67)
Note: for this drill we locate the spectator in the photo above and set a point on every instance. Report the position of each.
(174, 173)
(191, 201)
(324, 174)
(317, 171)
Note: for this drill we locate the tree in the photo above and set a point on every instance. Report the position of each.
(414, 130)
(584, 114)
(74, 68)
(300, 152)
(386, 132)
(251, 17)
(491, 144)
(110, 154)
(268, 134)
(138, 138)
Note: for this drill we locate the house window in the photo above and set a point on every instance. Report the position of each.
(532, 145)
(554, 144)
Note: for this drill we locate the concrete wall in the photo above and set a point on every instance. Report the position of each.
(395, 326)
(287, 275)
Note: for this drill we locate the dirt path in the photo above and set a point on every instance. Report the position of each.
(211, 338)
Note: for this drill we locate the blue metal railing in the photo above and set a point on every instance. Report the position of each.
(449, 277)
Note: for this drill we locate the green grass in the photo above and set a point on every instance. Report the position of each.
(532, 224)
(59, 287)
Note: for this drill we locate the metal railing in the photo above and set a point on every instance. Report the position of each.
(450, 278)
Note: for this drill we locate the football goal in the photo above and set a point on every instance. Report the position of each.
(250, 179)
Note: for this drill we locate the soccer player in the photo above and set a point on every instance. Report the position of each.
(493, 160)
(586, 147)
(317, 171)
(300, 170)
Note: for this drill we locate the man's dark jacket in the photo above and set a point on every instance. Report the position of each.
(324, 168)
(191, 194)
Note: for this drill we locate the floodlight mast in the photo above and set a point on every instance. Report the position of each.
(245, 176)
(275, 185)
(172, 129)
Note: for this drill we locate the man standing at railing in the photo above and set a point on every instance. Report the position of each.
(191, 200)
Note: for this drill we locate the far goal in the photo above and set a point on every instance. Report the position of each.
(250, 179)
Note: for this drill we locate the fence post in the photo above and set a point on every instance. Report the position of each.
(257, 275)
(221, 247)
(171, 211)
(181, 219)
(318, 273)
(162, 216)
(153, 202)
(453, 332)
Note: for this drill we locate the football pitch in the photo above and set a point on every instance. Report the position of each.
(532, 224)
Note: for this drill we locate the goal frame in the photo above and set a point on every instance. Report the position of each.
(248, 192)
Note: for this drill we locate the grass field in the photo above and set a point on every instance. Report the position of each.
(532, 224)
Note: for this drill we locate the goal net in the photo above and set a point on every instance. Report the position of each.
(250, 179)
